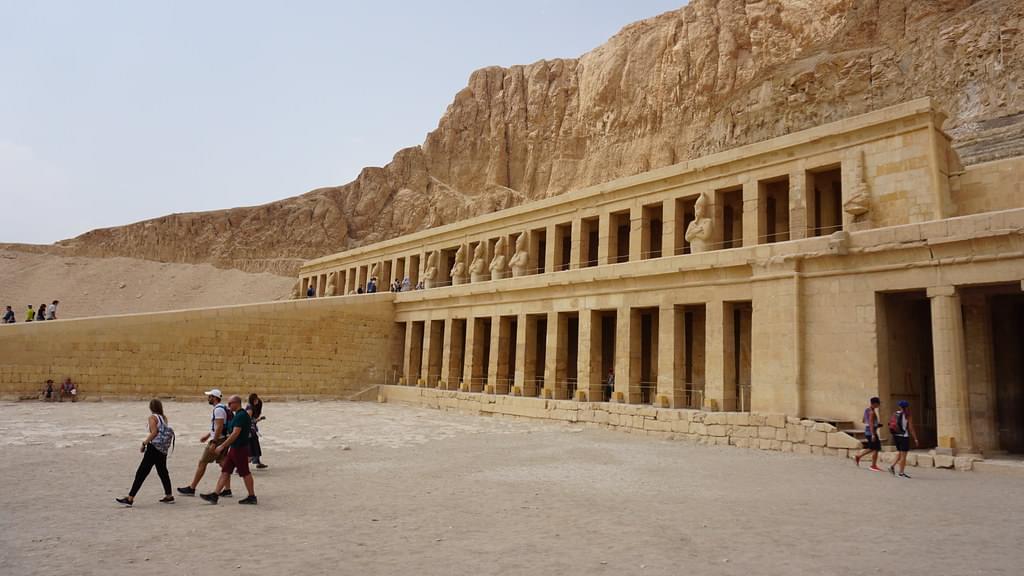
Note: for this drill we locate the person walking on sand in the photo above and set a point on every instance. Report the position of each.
(255, 410)
(154, 453)
(221, 414)
(872, 443)
(51, 310)
(237, 447)
(41, 312)
(902, 427)
(30, 314)
(9, 316)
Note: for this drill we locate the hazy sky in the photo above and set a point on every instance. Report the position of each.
(114, 112)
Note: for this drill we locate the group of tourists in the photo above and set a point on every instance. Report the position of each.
(44, 312)
(901, 426)
(67, 390)
(232, 442)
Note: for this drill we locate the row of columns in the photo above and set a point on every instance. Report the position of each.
(473, 354)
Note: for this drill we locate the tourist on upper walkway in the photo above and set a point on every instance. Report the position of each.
(255, 410)
(30, 314)
(406, 285)
(237, 447)
(8, 316)
(872, 443)
(217, 432)
(311, 291)
(51, 310)
(41, 312)
(154, 453)
(420, 285)
(359, 290)
(371, 286)
(902, 427)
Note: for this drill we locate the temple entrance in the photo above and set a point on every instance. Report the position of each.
(434, 352)
(738, 332)
(648, 354)
(572, 352)
(540, 348)
(905, 362)
(693, 356)
(1008, 352)
(457, 354)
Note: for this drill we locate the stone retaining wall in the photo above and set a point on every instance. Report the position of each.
(753, 430)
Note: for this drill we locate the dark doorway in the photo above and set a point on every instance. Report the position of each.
(1008, 344)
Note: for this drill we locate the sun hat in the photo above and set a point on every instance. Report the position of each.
(214, 392)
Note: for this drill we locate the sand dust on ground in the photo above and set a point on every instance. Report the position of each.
(362, 488)
(104, 286)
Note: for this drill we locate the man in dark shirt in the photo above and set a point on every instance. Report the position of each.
(237, 445)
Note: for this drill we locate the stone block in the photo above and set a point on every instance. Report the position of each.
(585, 415)
(816, 438)
(824, 427)
(796, 433)
(668, 415)
(775, 420)
(830, 452)
(720, 440)
(647, 411)
(944, 461)
(717, 430)
(792, 420)
(817, 450)
(657, 425)
(787, 447)
(912, 459)
(757, 419)
(613, 418)
(776, 445)
(716, 418)
(765, 444)
(766, 432)
(681, 426)
(801, 449)
(600, 417)
(842, 440)
(781, 435)
(699, 428)
(964, 463)
(808, 423)
(889, 458)
(740, 442)
(738, 418)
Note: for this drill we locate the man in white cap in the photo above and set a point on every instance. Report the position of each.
(212, 439)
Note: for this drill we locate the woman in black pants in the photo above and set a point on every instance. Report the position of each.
(154, 450)
(255, 410)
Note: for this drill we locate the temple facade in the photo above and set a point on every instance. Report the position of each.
(800, 275)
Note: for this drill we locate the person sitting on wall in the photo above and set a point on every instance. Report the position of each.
(359, 290)
(406, 285)
(371, 286)
(48, 391)
(310, 292)
(65, 389)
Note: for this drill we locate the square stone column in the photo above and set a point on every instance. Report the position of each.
(524, 363)
(473, 371)
(752, 217)
(604, 236)
(577, 244)
(454, 353)
(413, 352)
(627, 356)
(555, 355)
(588, 365)
(671, 343)
(498, 371)
(798, 191)
(952, 398)
(551, 242)
(669, 222)
(432, 347)
(637, 234)
(446, 353)
(716, 396)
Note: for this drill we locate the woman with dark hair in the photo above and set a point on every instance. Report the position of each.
(154, 449)
(255, 410)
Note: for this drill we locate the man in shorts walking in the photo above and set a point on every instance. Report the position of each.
(236, 445)
(872, 443)
(212, 438)
(902, 428)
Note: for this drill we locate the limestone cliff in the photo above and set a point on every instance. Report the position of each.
(710, 76)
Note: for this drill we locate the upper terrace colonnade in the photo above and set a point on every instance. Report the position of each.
(790, 275)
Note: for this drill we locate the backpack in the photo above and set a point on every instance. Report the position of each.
(228, 415)
(896, 423)
(164, 439)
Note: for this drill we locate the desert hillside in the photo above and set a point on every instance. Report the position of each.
(101, 286)
(709, 76)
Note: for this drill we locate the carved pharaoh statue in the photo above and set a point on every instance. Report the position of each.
(430, 271)
(698, 233)
(478, 268)
(332, 286)
(520, 262)
(459, 269)
(499, 264)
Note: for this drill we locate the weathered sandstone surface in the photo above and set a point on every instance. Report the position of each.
(707, 77)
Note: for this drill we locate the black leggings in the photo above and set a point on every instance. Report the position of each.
(152, 457)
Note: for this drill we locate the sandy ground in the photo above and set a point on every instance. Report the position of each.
(425, 492)
(102, 286)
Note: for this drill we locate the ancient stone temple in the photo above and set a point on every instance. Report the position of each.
(799, 275)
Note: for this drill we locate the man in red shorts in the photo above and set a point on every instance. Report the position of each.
(237, 445)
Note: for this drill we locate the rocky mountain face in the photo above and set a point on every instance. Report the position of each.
(712, 75)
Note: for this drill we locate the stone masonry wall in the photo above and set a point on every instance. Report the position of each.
(759, 431)
(322, 348)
